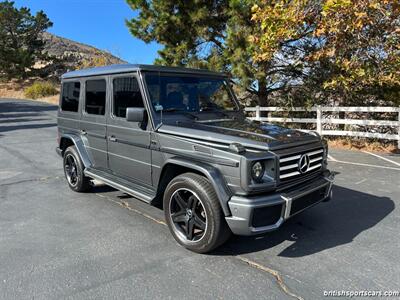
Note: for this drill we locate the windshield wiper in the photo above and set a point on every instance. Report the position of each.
(180, 110)
(213, 109)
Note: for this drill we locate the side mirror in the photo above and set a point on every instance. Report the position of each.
(135, 114)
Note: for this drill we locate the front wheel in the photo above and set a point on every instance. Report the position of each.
(193, 213)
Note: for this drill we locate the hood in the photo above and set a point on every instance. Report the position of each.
(249, 133)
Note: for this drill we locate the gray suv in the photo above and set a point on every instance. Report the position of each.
(177, 137)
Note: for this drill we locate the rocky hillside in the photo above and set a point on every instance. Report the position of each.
(75, 53)
(71, 55)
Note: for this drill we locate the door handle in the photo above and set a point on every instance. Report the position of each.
(112, 138)
(83, 132)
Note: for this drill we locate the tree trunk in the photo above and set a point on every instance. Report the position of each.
(262, 96)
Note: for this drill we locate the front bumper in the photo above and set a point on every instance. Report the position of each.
(263, 213)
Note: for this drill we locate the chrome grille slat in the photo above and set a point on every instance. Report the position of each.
(315, 152)
(314, 167)
(290, 174)
(288, 165)
(290, 158)
(315, 159)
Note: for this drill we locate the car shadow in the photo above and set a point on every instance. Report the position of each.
(20, 115)
(25, 115)
(26, 126)
(21, 106)
(102, 188)
(23, 120)
(326, 225)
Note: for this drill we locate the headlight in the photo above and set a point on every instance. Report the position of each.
(257, 171)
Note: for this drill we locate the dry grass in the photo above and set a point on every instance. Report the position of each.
(50, 99)
(16, 90)
(41, 90)
(11, 90)
(363, 144)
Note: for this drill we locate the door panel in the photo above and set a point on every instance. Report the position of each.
(93, 122)
(129, 152)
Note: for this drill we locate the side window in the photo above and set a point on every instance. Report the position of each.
(70, 96)
(126, 94)
(95, 103)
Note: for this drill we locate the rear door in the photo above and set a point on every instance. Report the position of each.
(129, 154)
(93, 121)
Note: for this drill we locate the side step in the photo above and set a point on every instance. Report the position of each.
(133, 189)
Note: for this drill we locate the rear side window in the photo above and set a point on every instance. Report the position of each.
(126, 94)
(95, 103)
(70, 96)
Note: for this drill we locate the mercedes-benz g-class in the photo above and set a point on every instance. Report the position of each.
(178, 137)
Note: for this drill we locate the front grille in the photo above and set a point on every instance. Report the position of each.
(308, 200)
(289, 165)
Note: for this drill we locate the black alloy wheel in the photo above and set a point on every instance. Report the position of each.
(188, 214)
(71, 171)
(193, 213)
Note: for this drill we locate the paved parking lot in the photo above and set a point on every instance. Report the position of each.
(55, 243)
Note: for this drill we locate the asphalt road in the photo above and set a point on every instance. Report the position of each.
(55, 243)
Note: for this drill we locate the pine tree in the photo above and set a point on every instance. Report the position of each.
(20, 43)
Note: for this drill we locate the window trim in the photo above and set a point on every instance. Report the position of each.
(73, 80)
(112, 78)
(84, 112)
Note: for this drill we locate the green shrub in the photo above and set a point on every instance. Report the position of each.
(40, 90)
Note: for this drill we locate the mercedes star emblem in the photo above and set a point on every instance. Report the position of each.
(304, 163)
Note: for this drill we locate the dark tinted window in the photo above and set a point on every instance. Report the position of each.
(126, 94)
(70, 96)
(95, 103)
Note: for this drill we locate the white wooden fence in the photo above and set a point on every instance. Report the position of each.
(320, 119)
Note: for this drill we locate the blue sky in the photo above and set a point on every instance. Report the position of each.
(99, 23)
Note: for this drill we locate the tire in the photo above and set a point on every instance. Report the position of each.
(73, 171)
(193, 213)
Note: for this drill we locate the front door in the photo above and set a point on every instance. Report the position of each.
(129, 154)
(93, 121)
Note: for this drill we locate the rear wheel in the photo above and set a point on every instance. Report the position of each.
(73, 170)
(193, 213)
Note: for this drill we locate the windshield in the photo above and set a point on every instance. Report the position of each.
(191, 93)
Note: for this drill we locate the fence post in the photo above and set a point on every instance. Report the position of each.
(319, 117)
(258, 113)
(398, 131)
